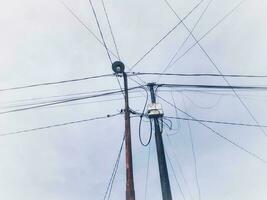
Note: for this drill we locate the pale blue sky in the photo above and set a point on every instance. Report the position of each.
(41, 42)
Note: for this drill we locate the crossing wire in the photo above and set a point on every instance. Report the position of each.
(191, 32)
(254, 155)
(100, 31)
(164, 37)
(85, 26)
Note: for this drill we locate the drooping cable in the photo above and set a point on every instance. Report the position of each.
(147, 171)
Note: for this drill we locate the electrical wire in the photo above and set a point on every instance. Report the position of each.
(165, 36)
(218, 122)
(193, 152)
(207, 33)
(57, 125)
(190, 32)
(195, 75)
(114, 172)
(100, 31)
(63, 101)
(110, 28)
(254, 155)
(56, 82)
(224, 87)
(220, 72)
(147, 171)
(175, 177)
(85, 26)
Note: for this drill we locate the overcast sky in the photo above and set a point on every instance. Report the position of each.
(42, 42)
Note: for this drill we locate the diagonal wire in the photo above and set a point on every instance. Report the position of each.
(85, 26)
(188, 36)
(207, 33)
(217, 133)
(175, 177)
(193, 152)
(100, 31)
(57, 125)
(147, 170)
(114, 172)
(110, 28)
(219, 71)
(164, 37)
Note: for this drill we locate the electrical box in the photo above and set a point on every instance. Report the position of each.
(155, 110)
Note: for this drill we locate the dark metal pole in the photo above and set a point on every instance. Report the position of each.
(163, 171)
(130, 193)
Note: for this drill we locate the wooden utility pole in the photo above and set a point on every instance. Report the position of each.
(163, 171)
(118, 68)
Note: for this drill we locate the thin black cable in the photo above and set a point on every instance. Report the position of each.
(218, 122)
(147, 170)
(85, 26)
(100, 31)
(220, 72)
(191, 32)
(57, 125)
(110, 28)
(175, 177)
(207, 33)
(114, 172)
(193, 152)
(218, 134)
(62, 101)
(179, 166)
(195, 75)
(164, 37)
(224, 87)
(56, 82)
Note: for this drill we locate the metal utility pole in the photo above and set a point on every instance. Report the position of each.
(118, 68)
(163, 171)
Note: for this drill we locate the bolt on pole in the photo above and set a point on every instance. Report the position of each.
(163, 170)
(118, 68)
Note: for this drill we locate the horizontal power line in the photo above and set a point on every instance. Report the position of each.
(217, 122)
(198, 75)
(213, 86)
(58, 125)
(67, 100)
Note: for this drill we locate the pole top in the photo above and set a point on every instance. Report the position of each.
(118, 67)
(151, 84)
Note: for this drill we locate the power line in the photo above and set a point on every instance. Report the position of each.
(220, 72)
(164, 37)
(114, 172)
(207, 33)
(218, 134)
(224, 87)
(57, 125)
(175, 177)
(63, 101)
(56, 82)
(193, 152)
(85, 26)
(218, 122)
(110, 28)
(196, 75)
(100, 31)
(190, 32)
